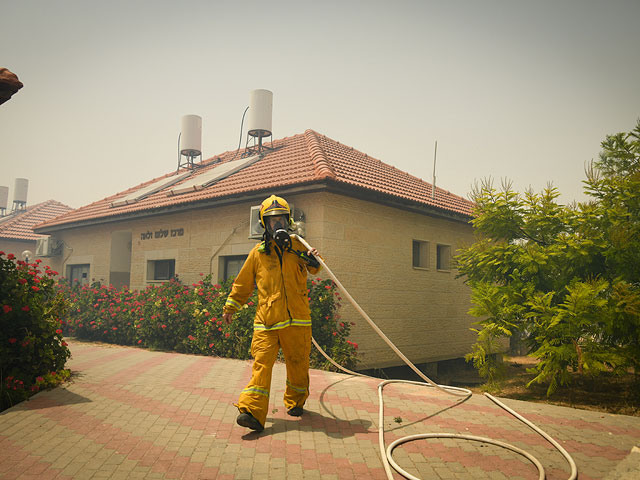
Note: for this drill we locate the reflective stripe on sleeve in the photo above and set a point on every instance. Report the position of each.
(232, 303)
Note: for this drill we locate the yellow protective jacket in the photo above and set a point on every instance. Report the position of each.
(282, 287)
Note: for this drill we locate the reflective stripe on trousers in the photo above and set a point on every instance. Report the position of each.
(295, 342)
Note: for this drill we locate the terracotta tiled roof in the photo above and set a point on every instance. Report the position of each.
(303, 159)
(19, 225)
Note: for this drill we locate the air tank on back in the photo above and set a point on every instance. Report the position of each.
(191, 135)
(260, 110)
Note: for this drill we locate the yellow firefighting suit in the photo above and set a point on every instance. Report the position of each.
(283, 320)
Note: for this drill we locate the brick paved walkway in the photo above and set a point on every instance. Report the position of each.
(131, 413)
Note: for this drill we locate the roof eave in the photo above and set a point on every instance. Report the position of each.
(326, 184)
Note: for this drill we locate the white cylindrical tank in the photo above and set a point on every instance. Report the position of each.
(20, 190)
(191, 135)
(260, 109)
(4, 197)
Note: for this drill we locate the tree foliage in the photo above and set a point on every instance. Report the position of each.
(564, 278)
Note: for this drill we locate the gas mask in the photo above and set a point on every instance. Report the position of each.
(277, 228)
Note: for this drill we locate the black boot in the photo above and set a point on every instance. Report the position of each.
(295, 412)
(249, 421)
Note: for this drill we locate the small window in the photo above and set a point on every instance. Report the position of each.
(161, 269)
(444, 257)
(78, 274)
(232, 266)
(420, 254)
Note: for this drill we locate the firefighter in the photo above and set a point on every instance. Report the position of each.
(278, 266)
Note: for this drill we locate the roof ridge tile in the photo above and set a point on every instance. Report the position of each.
(321, 166)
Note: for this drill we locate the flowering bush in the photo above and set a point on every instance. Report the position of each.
(330, 333)
(32, 351)
(173, 316)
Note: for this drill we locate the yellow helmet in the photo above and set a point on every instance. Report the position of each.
(274, 206)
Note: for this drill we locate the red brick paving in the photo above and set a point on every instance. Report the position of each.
(140, 414)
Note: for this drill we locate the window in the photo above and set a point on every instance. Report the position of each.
(444, 257)
(78, 274)
(161, 269)
(232, 266)
(420, 254)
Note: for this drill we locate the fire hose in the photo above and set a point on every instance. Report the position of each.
(463, 394)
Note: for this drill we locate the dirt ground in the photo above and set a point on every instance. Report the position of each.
(619, 395)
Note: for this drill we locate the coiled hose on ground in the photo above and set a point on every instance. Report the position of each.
(462, 393)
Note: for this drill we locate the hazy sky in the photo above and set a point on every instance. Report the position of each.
(520, 89)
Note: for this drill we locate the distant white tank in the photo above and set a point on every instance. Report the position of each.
(260, 110)
(20, 190)
(191, 136)
(4, 197)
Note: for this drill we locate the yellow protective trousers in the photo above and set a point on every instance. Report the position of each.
(295, 342)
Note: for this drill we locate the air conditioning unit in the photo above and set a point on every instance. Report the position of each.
(43, 247)
(255, 229)
(46, 247)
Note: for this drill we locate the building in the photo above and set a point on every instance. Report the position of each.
(386, 235)
(16, 229)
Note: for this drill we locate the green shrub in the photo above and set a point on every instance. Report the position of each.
(330, 333)
(188, 319)
(32, 351)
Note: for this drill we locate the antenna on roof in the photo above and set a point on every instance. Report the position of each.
(259, 122)
(433, 186)
(190, 141)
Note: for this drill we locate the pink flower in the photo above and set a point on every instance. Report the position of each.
(13, 340)
(11, 256)
(7, 308)
(58, 331)
(139, 342)
(211, 345)
(227, 334)
(22, 281)
(26, 308)
(35, 289)
(163, 326)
